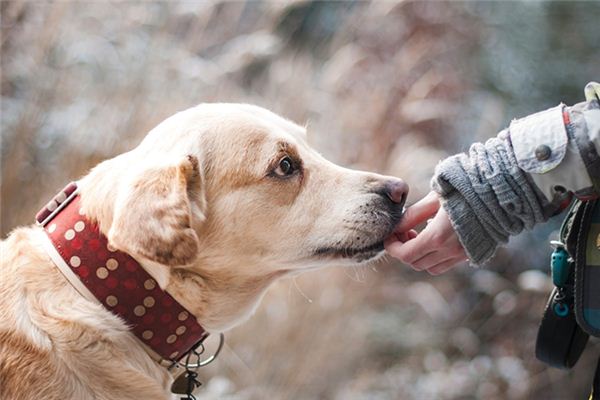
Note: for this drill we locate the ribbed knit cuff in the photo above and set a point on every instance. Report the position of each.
(478, 244)
(488, 198)
(451, 182)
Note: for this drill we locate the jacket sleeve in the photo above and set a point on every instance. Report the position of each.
(572, 145)
(523, 176)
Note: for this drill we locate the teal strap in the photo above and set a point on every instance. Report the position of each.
(560, 266)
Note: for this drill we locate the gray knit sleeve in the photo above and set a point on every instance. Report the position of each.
(488, 197)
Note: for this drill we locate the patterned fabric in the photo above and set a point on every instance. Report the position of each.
(120, 283)
(56, 203)
(583, 130)
(592, 91)
(545, 128)
(565, 167)
(590, 300)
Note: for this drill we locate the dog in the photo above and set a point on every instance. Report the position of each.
(215, 204)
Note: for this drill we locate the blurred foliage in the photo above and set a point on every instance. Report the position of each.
(386, 86)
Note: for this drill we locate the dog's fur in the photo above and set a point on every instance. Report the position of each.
(202, 205)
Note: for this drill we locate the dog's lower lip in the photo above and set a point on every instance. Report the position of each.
(349, 252)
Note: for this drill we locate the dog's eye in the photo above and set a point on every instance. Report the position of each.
(285, 167)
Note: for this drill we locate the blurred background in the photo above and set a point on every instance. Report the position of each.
(386, 86)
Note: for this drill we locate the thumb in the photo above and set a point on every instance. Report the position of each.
(419, 212)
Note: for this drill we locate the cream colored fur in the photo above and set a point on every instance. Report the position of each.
(201, 204)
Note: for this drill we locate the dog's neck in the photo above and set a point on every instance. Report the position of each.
(100, 184)
(218, 297)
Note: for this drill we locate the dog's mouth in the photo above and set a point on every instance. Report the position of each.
(358, 254)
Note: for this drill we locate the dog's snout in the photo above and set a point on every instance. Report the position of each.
(396, 190)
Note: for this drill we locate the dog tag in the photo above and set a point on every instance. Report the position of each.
(186, 383)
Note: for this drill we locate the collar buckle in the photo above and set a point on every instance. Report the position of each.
(58, 202)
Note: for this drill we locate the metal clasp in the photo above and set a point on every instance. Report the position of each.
(187, 382)
(197, 351)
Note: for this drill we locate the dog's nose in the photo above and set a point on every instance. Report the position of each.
(396, 190)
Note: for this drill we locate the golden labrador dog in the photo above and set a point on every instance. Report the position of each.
(215, 204)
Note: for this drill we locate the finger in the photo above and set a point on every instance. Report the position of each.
(412, 250)
(440, 236)
(393, 246)
(434, 258)
(402, 237)
(445, 266)
(419, 212)
(431, 239)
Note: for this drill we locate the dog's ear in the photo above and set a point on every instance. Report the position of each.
(155, 211)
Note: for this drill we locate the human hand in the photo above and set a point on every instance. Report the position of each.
(436, 249)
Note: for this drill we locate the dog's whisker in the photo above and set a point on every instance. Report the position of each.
(300, 290)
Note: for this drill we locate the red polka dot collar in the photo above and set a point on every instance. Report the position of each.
(116, 280)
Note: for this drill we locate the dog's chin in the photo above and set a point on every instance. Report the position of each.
(356, 255)
(352, 254)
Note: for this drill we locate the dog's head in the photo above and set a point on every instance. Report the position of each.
(233, 192)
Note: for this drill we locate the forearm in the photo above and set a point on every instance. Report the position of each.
(488, 197)
(520, 178)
